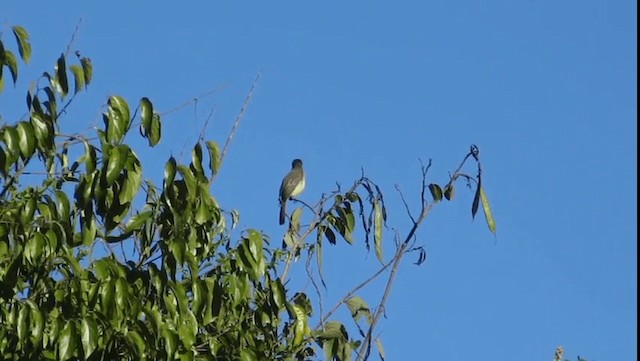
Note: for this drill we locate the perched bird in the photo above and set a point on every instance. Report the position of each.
(292, 185)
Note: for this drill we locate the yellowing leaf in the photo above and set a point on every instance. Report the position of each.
(487, 212)
(377, 235)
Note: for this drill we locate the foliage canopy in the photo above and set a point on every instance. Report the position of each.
(187, 290)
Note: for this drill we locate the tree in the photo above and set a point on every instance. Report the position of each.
(186, 289)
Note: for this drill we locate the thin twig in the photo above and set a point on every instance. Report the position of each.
(313, 282)
(73, 38)
(406, 206)
(243, 108)
(206, 123)
(455, 173)
(194, 100)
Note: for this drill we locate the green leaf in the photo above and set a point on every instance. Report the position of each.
(188, 329)
(67, 341)
(487, 212)
(12, 140)
(256, 249)
(155, 130)
(214, 157)
(87, 68)
(106, 296)
(122, 294)
(350, 221)
(78, 77)
(278, 293)
(359, 309)
(150, 127)
(82, 193)
(170, 342)
(89, 330)
(196, 161)
(300, 325)
(189, 180)
(23, 323)
(42, 131)
(203, 213)
(249, 263)
(136, 222)
(436, 192)
(61, 76)
(24, 46)
(26, 139)
(89, 228)
(131, 184)
(177, 249)
(199, 292)
(146, 113)
(117, 119)
(247, 355)
(11, 62)
(345, 223)
(34, 248)
(169, 172)
(333, 329)
(62, 205)
(115, 163)
(210, 312)
(378, 224)
(90, 158)
(28, 209)
(37, 324)
(137, 340)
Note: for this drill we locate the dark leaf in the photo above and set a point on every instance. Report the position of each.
(476, 200)
(449, 191)
(61, 76)
(436, 192)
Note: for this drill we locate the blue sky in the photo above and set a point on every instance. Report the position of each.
(546, 89)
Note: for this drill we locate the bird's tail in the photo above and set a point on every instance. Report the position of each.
(283, 212)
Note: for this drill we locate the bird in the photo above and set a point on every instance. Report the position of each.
(292, 185)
